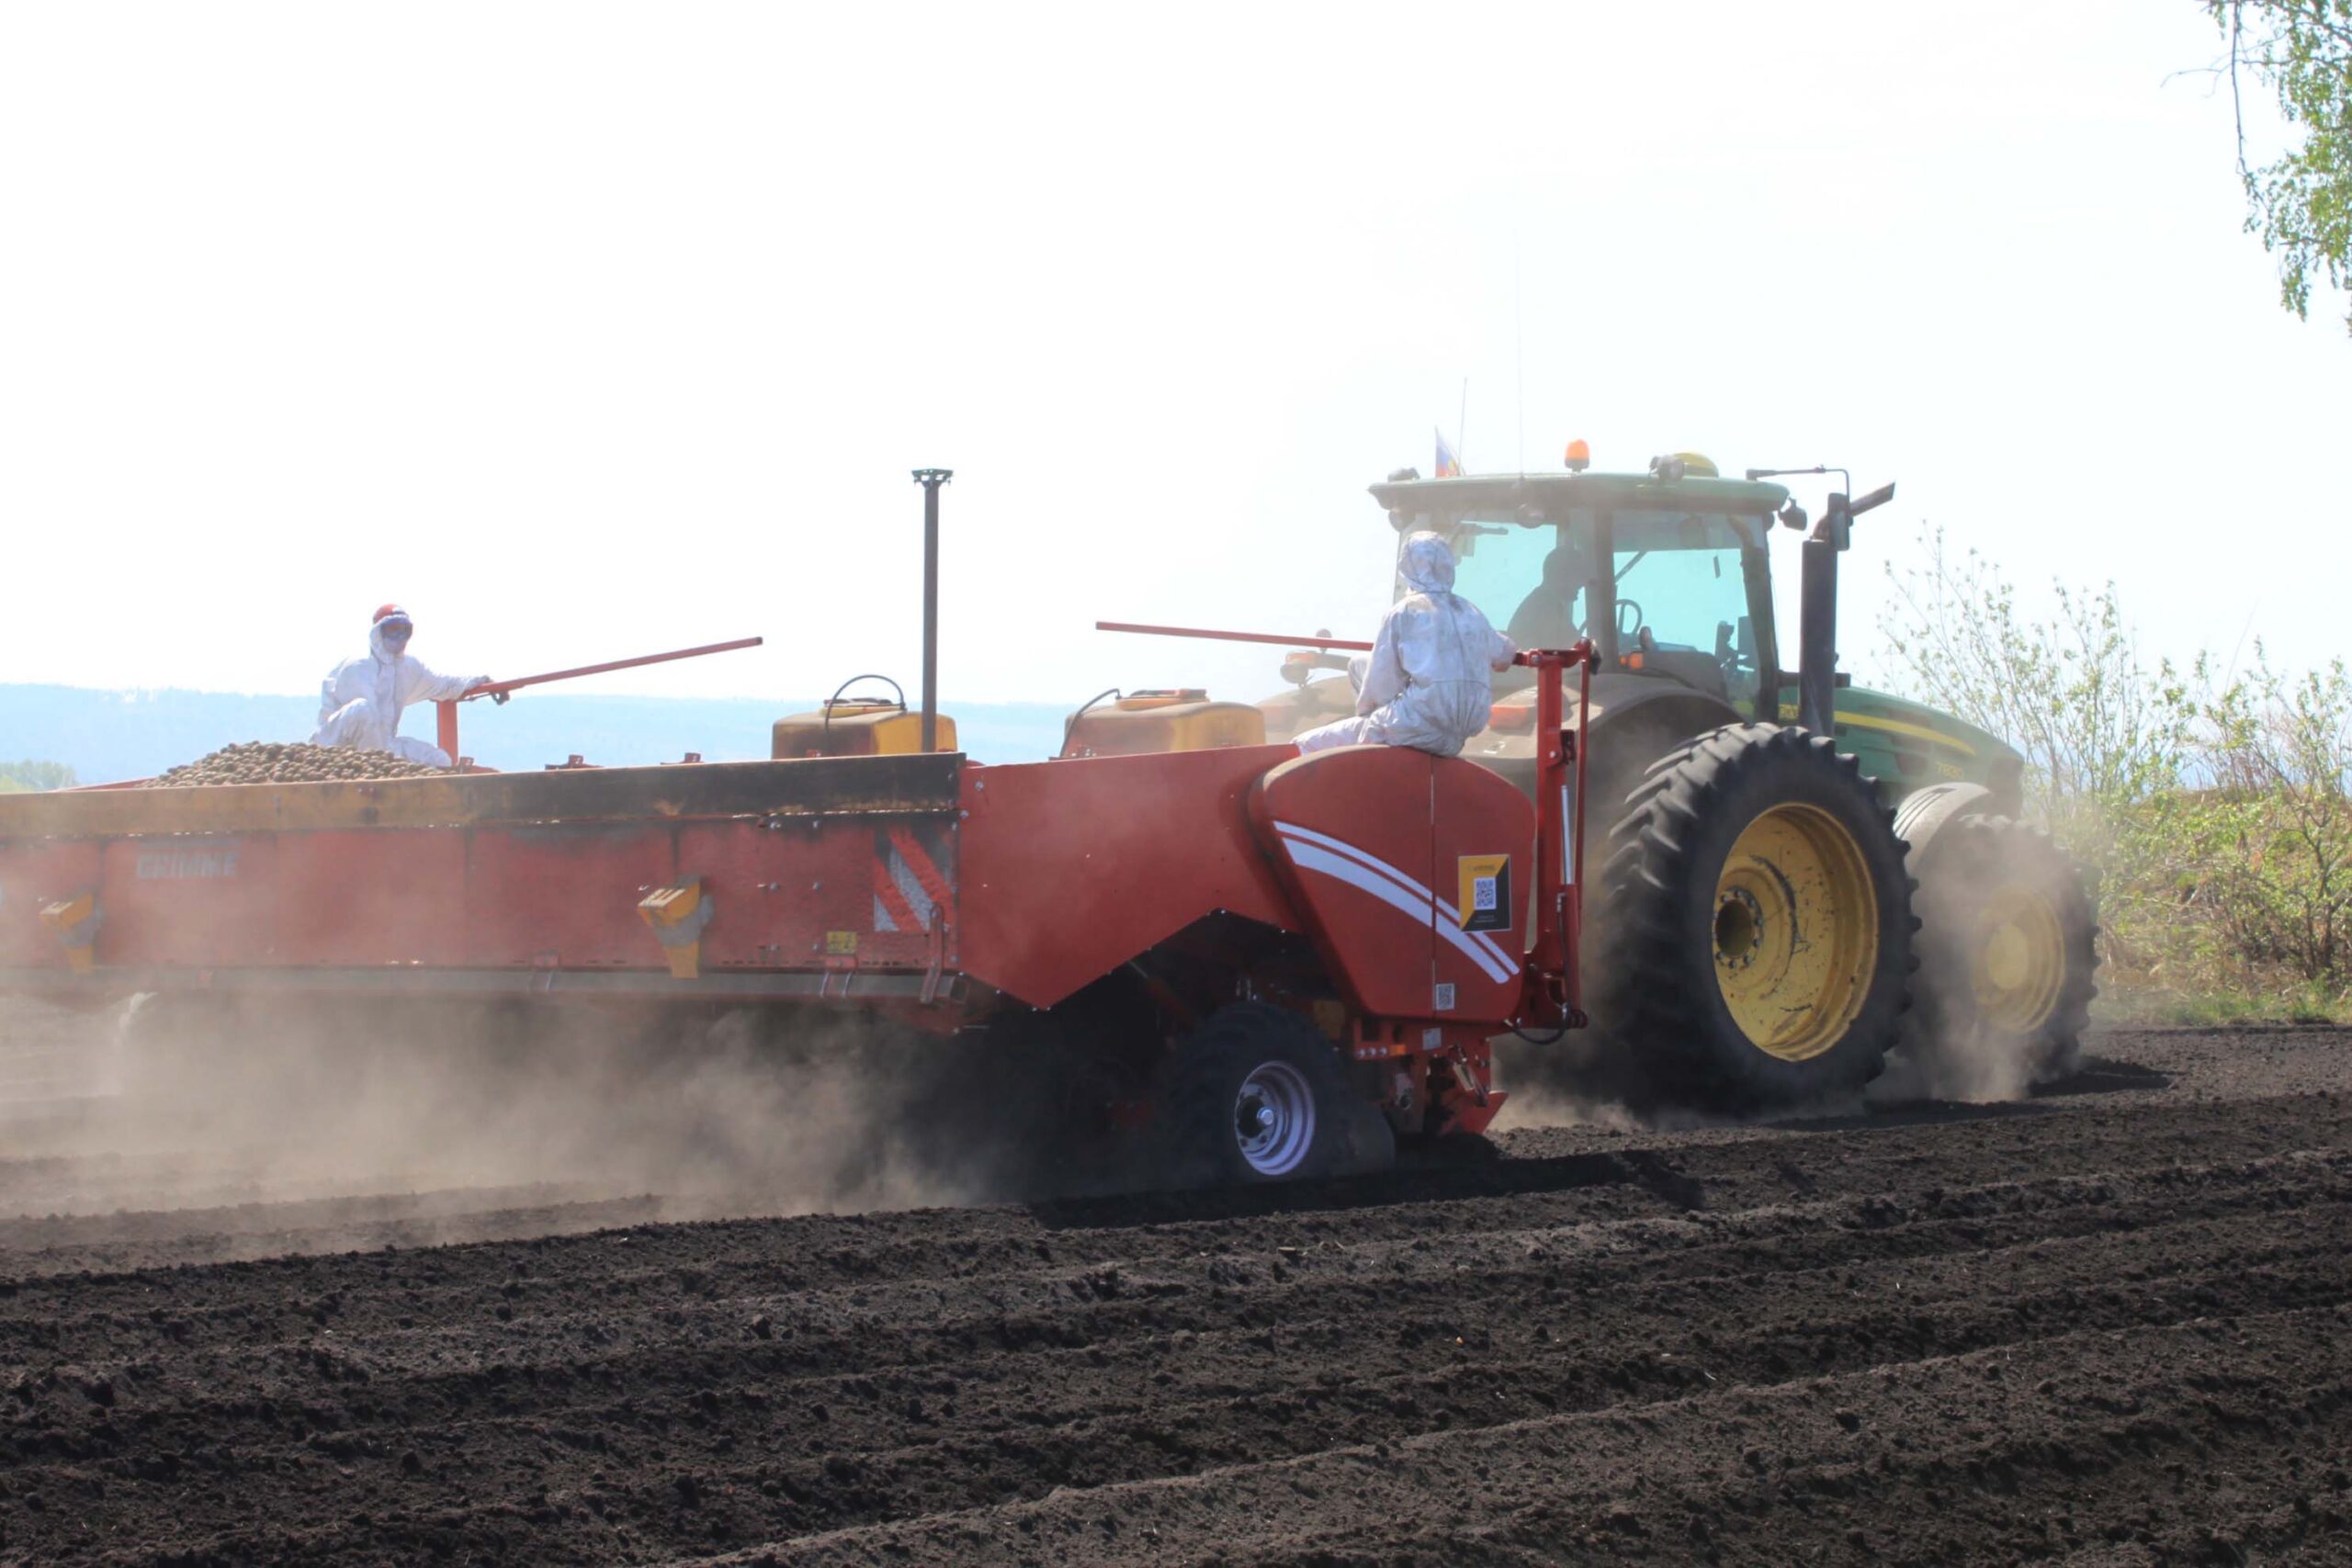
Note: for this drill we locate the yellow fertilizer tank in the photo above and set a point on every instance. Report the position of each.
(1184, 719)
(856, 727)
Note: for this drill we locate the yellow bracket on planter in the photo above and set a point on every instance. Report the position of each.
(76, 920)
(678, 916)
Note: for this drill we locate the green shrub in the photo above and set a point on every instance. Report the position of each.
(2214, 809)
(31, 775)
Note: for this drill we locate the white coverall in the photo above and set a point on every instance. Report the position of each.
(360, 702)
(1427, 683)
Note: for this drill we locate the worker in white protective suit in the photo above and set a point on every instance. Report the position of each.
(360, 703)
(1428, 682)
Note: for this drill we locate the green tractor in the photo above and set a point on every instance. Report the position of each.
(1771, 848)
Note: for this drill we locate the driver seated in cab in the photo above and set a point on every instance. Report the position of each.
(1547, 617)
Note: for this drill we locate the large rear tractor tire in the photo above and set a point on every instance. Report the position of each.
(2008, 957)
(1755, 950)
(1257, 1095)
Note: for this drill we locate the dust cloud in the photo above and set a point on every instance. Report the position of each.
(1540, 1102)
(203, 1102)
(1579, 1081)
(1948, 1052)
(1958, 1067)
(1927, 1067)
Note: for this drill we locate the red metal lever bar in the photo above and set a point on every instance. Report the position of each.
(447, 712)
(497, 686)
(1235, 637)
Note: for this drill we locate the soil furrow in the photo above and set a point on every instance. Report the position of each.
(2112, 1325)
(2016, 1431)
(1093, 1418)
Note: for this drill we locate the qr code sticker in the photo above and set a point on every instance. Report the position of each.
(1445, 997)
(1483, 898)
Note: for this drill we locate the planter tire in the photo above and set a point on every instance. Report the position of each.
(1256, 1096)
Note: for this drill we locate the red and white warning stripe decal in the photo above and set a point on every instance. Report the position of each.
(909, 889)
(1311, 850)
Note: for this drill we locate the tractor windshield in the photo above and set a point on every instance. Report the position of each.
(1496, 563)
(1680, 584)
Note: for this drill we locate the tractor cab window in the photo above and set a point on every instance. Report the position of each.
(1677, 589)
(1682, 596)
(1496, 564)
(1531, 576)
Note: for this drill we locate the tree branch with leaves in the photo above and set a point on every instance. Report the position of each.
(2300, 202)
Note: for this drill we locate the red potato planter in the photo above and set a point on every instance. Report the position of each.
(1268, 965)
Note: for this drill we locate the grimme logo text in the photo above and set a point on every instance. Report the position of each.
(186, 864)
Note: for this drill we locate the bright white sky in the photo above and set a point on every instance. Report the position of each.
(585, 330)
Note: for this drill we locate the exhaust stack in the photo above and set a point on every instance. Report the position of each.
(931, 480)
(1817, 614)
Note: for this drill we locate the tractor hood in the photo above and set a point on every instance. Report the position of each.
(1910, 745)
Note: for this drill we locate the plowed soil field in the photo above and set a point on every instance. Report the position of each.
(2112, 1324)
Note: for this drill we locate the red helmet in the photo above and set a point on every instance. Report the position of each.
(388, 613)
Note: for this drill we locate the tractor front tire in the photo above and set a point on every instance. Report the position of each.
(2008, 958)
(1256, 1096)
(1755, 950)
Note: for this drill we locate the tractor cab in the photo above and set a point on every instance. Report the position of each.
(1678, 562)
(1668, 576)
(1666, 572)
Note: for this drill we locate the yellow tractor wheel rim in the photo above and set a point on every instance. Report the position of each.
(1796, 932)
(2018, 962)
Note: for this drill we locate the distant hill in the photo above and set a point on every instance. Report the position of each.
(104, 736)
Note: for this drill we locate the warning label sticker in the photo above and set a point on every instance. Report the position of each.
(1485, 893)
(912, 888)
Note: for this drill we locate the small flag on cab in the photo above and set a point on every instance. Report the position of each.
(1449, 464)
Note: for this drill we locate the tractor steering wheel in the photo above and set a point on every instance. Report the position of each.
(1625, 631)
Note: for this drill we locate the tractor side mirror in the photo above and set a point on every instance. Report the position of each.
(1836, 525)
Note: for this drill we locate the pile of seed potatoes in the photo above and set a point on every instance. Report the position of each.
(293, 762)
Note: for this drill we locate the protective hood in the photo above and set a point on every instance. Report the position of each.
(1428, 566)
(375, 637)
(1427, 681)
